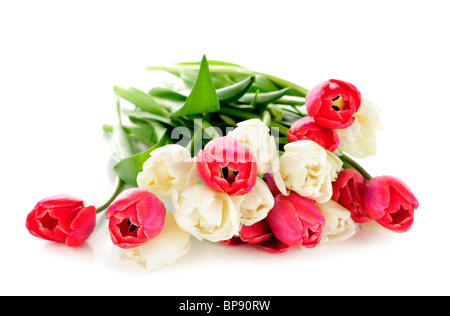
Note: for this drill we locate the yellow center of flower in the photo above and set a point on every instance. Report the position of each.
(338, 103)
(228, 174)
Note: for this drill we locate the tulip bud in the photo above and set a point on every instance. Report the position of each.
(296, 221)
(135, 217)
(227, 166)
(62, 218)
(333, 103)
(390, 203)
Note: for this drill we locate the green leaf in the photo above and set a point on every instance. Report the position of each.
(140, 131)
(145, 133)
(203, 97)
(263, 85)
(142, 115)
(236, 91)
(263, 98)
(140, 99)
(127, 169)
(121, 144)
(163, 92)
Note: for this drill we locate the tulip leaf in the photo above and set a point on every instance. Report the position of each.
(127, 169)
(121, 144)
(226, 94)
(236, 91)
(203, 97)
(141, 99)
(145, 133)
(142, 132)
(166, 93)
(263, 98)
(263, 85)
(143, 115)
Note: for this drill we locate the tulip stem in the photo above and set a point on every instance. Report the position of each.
(118, 187)
(350, 163)
(267, 119)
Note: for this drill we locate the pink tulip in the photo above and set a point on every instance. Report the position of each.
(390, 203)
(296, 221)
(62, 218)
(332, 103)
(307, 128)
(227, 166)
(135, 217)
(260, 235)
(348, 190)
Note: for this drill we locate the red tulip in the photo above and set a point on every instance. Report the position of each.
(258, 234)
(261, 235)
(348, 190)
(62, 218)
(390, 203)
(135, 217)
(307, 128)
(296, 221)
(332, 103)
(227, 166)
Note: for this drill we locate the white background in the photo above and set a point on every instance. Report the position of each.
(60, 59)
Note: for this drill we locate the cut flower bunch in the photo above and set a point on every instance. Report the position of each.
(231, 155)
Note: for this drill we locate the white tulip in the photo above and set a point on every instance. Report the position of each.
(359, 140)
(168, 246)
(255, 135)
(339, 224)
(168, 167)
(205, 213)
(308, 169)
(255, 205)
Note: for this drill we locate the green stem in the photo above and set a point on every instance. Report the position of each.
(118, 112)
(291, 100)
(118, 187)
(281, 128)
(354, 165)
(198, 132)
(238, 113)
(267, 119)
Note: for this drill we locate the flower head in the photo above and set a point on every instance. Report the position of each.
(135, 217)
(62, 218)
(205, 213)
(307, 128)
(308, 169)
(333, 103)
(227, 166)
(338, 222)
(261, 235)
(296, 221)
(168, 167)
(348, 190)
(390, 203)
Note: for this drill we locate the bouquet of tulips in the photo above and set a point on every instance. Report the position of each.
(227, 154)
